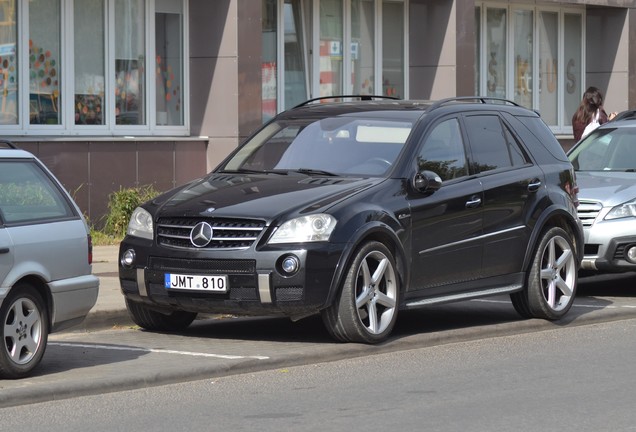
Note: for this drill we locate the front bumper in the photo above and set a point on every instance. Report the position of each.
(257, 283)
(608, 255)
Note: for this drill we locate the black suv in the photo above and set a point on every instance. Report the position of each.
(359, 207)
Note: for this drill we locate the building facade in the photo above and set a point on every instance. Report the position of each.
(121, 93)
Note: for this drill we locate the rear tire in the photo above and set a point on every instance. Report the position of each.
(367, 307)
(150, 319)
(551, 285)
(24, 331)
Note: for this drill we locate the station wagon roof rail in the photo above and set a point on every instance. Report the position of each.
(7, 145)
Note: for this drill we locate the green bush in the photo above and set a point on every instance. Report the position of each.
(121, 204)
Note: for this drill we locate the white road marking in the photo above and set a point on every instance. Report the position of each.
(574, 305)
(154, 350)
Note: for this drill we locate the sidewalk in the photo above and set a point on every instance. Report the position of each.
(110, 309)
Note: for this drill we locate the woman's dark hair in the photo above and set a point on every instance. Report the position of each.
(592, 101)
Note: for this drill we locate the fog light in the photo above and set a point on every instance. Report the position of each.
(630, 254)
(128, 258)
(290, 265)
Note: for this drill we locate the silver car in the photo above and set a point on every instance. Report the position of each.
(605, 164)
(46, 283)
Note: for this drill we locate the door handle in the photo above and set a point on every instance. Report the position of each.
(4, 250)
(474, 201)
(534, 186)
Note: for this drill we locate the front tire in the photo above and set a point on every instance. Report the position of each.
(367, 307)
(24, 331)
(152, 320)
(552, 279)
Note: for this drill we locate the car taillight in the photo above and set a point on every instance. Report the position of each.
(90, 249)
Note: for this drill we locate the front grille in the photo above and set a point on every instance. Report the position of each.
(209, 266)
(588, 212)
(289, 294)
(228, 233)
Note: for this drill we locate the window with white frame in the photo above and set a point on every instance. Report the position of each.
(93, 67)
(359, 47)
(534, 56)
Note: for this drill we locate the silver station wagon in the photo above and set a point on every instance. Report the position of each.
(46, 283)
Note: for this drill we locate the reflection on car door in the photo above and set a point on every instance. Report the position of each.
(512, 185)
(447, 224)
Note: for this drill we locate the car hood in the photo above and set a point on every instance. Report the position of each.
(609, 188)
(259, 196)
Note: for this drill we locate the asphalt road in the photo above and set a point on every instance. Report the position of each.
(574, 378)
(93, 363)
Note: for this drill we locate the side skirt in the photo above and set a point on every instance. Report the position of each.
(463, 296)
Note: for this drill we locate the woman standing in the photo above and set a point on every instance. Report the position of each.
(590, 110)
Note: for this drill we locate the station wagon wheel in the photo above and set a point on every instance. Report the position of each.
(367, 307)
(154, 320)
(552, 279)
(24, 331)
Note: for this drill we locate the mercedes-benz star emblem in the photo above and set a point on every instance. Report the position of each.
(201, 234)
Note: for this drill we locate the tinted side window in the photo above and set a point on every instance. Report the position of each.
(492, 144)
(27, 194)
(443, 151)
(544, 135)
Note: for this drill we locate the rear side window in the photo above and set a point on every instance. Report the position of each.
(27, 194)
(544, 135)
(492, 144)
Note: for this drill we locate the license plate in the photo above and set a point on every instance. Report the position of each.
(214, 283)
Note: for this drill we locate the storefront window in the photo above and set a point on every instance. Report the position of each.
(130, 62)
(8, 63)
(44, 62)
(573, 64)
(522, 60)
(548, 66)
(496, 52)
(331, 51)
(523, 52)
(169, 63)
(332, 48)
(393, 49)
(89, 62)
(363, 46)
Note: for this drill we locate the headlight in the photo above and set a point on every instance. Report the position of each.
(140, 224)
(627, 209)
(311, 228)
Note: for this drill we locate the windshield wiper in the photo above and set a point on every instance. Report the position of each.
(311, 171)
(252, 171)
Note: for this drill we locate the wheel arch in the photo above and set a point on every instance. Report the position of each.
(374, 231)
(555, 217)
(43, 289)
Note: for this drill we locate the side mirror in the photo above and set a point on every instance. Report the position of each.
(427, 182)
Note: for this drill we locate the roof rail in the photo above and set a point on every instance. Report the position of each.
(359, 97)
(7, 144)
(475, 99)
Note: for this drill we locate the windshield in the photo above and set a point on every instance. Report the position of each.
(329, 146)
(611, 149)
